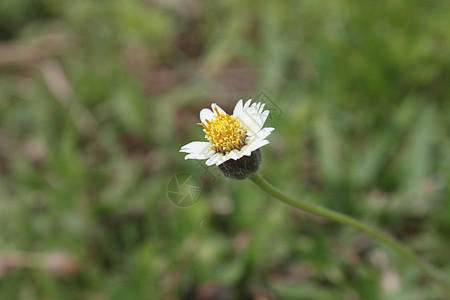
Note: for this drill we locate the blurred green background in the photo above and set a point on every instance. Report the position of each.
(97, 97)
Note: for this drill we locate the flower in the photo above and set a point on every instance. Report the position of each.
(230, 137)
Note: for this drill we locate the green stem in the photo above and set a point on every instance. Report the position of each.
(332, 215)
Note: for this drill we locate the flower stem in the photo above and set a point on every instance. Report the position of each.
(341, 218)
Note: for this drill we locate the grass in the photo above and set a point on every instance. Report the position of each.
(96, 98)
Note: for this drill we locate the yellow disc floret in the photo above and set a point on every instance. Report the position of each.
(224, 132)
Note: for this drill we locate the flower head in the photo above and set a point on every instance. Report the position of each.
(230, 137)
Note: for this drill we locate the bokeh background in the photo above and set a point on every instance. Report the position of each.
(97, 97)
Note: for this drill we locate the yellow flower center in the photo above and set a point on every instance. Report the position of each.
(224, 132)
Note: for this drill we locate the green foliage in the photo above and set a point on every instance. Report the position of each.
(97, 97)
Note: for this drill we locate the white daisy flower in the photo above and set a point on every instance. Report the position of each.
(230, 136)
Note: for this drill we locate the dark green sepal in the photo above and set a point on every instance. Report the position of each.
(241, 168)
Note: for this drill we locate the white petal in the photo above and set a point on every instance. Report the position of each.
(194, 146)
(235, 154)
(261, 109)
(206, 114)
(216, 159)
(257, 144)
(222, 159)
(199, 155)
(238, 108)
(197, 150)
(247, 104)
(262, 134)
(245, 151)
(252, 119)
